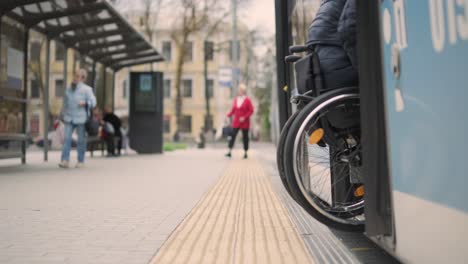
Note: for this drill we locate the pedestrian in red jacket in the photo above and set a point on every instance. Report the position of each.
(241, 110)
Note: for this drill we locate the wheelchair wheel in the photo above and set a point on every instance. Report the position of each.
(280, 150)
(322, 161)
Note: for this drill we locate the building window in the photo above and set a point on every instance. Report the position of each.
(188, 51)
(210, 88)
(167, 88)
(237, 48)
(209, 50)
(59, 51)
(34, 89)
(186, 124)
(187, 88)
(167, 50)
(124, 89)
(35, 51)
(167, 124)
(59, 88)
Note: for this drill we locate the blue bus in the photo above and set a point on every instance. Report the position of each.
(412, 92)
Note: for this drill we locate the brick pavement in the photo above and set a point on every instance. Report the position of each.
(117, 210)
(240, 220)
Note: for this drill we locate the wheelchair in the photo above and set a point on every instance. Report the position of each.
(319, 153)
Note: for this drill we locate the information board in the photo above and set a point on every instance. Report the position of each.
(145, 95)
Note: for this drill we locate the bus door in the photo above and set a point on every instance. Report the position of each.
(425, 66)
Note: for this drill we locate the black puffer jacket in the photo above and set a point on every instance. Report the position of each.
(347, 30)
(330, 33)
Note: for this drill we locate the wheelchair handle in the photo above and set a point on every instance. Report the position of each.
(298, 48)
(292, 58)
(296, 99)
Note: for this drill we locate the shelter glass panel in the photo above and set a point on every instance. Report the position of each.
(59, 88)
(11, 59)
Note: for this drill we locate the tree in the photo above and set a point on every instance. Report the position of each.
(263, 93)
(192, 16)
(152, 9)
(303, 15)
(38, 74)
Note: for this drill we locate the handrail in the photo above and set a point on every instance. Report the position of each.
(13, 99)
(13, 137)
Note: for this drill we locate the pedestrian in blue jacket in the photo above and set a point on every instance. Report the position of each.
(77, 101)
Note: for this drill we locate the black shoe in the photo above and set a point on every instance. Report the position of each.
(228, 155)
(245, 156)
(322, 144)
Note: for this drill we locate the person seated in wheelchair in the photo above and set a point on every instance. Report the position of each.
(332, 36)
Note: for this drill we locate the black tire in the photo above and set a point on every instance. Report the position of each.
(290, 176)
(280, 150)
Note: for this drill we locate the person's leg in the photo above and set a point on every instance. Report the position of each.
(110, 144)
(119, 145)
(81, 148)
(118, 136)
(68, 131)
(245, 139)
(232, 141)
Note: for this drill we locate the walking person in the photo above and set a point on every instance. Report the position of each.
(241, 111)
(78, 100)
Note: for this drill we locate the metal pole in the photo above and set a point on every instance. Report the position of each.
(282, 44)
(104, 84)
(25, 92)
(1, 20)
(207, 95)
(46, 102)
(93, 80)
(235, 49)
(74, 61)
(113, 91)
(65, 68)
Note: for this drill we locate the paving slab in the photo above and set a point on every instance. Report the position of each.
(240, 220)
(115, 210)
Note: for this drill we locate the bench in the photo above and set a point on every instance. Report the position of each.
(8, 148)
(95, 143)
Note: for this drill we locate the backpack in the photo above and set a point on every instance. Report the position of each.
(91, 124)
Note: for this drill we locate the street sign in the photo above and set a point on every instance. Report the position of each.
(226, 74)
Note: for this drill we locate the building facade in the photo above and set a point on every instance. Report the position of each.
(219, 59)
(193, 85)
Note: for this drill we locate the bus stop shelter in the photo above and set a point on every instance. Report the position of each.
(91, 27)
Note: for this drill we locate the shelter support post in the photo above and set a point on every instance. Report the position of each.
(113, 91)
(25, 93)
(46, 101)
(282, 46)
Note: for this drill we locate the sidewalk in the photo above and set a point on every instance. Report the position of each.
(187, 206)
(117, 210)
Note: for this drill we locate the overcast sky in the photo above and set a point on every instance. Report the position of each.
(258, 14)
(261, 13)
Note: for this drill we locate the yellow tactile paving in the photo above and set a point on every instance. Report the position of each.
(240, 220)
